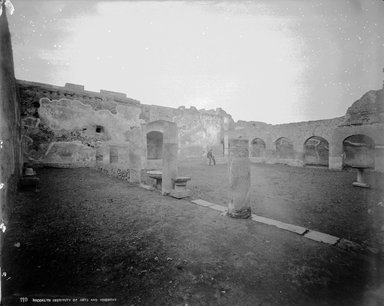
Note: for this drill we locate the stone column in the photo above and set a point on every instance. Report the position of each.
(170, 146)
(239, 179)
(226, 149)
(135, 153)
(134, 167)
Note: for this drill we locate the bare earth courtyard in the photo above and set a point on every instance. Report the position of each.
(316, 198)
(87, 235)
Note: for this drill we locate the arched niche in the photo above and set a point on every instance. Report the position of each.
(154, 145)
(359, 150)
(316, 151)
(284, 148)
(257, 148)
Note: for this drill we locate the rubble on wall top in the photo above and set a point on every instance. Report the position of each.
(113, 93)
(70, 87)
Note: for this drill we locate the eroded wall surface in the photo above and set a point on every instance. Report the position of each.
(68, 125)
(10, 153)
(71, 126)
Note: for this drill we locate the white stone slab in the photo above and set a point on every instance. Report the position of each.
(321, 237)
(218, 207)
(286, 226)
(292, 228)
(202, 203)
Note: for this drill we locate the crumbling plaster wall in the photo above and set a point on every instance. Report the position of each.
(198, 129)
(59, 124)
(65, 126)
(54, 115)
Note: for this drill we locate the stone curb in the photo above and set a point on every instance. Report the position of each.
(321, 237)
(285, 226)
(341, 243)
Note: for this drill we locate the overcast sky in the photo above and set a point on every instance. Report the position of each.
(274, 61)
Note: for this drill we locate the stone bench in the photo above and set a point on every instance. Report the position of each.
(180, 187)
(158, 176)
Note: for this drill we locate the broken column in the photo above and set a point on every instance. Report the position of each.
(170, 147)
(239, 179)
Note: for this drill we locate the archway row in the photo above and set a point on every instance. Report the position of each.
(358, 150)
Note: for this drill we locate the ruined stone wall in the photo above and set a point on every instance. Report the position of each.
(284, 143)
(364, 121)
(198, 129)
(69, 125)
(322, 142)
(10, 156)
(66, 125)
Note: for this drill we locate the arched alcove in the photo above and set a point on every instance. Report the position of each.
(257, 148)
(316, 151)
(359, 150)
(154, 145)
(284, 148)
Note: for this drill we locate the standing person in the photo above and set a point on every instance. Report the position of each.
(211, 157)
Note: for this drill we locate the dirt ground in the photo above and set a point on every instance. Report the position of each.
(316, 198)
(86, 235)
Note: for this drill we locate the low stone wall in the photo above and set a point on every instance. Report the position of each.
(120, 171)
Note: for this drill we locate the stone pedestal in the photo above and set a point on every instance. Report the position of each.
(360, 178)
(239, 179)
(180, 191)
(157, 176)
(169, 167)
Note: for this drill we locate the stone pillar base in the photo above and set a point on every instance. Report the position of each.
(360, 179)
(243, 213)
